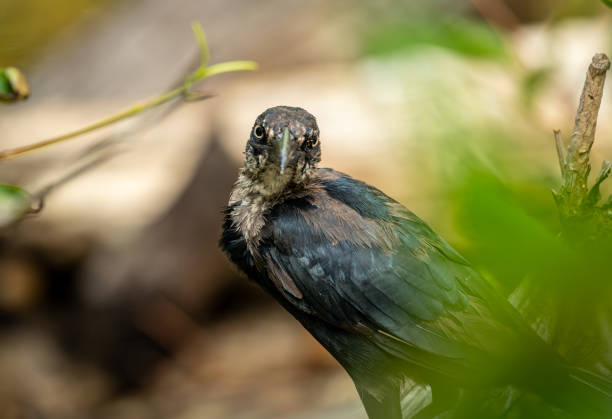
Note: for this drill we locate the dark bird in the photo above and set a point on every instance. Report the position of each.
(377, 287)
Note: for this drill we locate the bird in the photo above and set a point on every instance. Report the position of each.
(382, 292)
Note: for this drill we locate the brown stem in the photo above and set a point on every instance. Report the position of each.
(578, 166)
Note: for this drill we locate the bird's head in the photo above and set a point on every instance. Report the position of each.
(283, 150)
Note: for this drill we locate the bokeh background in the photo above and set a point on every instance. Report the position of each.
(115, 301)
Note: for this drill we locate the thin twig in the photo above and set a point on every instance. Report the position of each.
(560, 151)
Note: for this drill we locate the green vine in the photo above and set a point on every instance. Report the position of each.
(203, 72)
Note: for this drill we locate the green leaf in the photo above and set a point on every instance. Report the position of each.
(13, 85)
(533, 83)
(594, 194)
(462, 36)
(607, 3)
(14, 204)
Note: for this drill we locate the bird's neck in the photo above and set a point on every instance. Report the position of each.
(268, 188)
(253, 197)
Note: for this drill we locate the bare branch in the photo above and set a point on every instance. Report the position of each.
(574, 186)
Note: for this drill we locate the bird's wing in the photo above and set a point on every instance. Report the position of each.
(359, 259)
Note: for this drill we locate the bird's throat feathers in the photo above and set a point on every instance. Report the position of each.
(252, 197)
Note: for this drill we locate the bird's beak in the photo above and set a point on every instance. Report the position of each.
(284, 150)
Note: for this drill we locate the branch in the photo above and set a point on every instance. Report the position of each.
(575, 164)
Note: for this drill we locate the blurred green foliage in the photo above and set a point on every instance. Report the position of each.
(607, 2)
(13, 85)
(575, 8)
(532, 84)
(468, 37)
(488, 163)
(529, 11)
(504, 213)
(14, 204)
(501, 203)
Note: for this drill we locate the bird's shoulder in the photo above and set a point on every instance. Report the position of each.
(335, 208)
(340, 210)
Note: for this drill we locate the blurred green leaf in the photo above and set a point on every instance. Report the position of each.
(505, 218)
(465, 37)
(13, 85)
(14, 204)
(607, 2)
(507, 238)
(532, 84)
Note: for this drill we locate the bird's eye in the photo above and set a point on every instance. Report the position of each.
(312, 141)
(259, 132)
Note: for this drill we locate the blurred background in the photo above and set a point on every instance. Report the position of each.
(115, 301)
